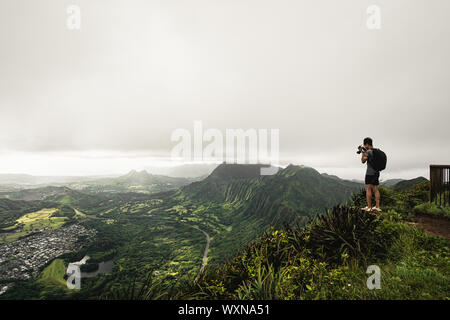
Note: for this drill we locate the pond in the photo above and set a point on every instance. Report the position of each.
(103, 267)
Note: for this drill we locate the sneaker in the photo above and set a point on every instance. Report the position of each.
(376, 209)
(366, 209)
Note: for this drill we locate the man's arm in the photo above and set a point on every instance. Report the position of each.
(363, 157)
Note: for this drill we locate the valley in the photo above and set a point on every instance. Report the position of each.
(172, 235)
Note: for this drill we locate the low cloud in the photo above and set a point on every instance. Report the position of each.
(137, 71)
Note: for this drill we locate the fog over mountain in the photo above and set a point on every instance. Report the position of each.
(105, 99)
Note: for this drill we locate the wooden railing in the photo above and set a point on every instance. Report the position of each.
(440, 184)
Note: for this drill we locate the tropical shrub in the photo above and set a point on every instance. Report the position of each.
(343, 232)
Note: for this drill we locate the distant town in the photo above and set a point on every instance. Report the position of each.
(23, 258)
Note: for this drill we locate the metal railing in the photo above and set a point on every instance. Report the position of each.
(440, 184)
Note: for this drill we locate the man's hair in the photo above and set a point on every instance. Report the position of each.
(368, 141)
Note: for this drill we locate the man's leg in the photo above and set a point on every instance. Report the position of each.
(369, 195)
(377, 196)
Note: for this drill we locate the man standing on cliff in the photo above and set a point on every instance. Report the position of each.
(372, 176)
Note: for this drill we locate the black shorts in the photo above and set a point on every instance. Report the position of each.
(373, 179)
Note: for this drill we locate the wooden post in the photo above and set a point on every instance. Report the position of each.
(440, 184)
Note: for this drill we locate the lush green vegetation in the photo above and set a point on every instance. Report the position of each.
(54, 273)
(157, 246)
(432, 209)
(401, 202)
(39, 221)
(11, 210)
(156, 234)
(328, 259)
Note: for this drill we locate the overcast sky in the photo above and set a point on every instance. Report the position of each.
(106, 98)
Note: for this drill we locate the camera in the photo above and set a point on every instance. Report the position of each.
(361, 149)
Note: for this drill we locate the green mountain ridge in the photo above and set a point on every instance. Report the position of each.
(407, 184)
(293, 193)
(390, 182)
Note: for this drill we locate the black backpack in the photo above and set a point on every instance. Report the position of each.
(379, 160)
